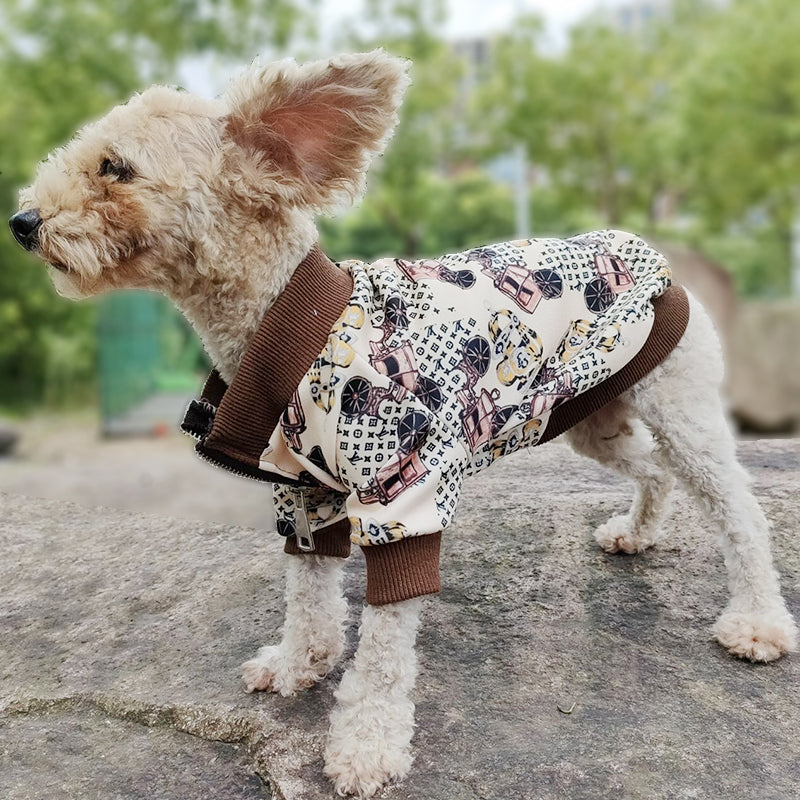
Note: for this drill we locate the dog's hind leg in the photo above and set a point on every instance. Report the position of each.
(373, 721)
(615, 437)
(681, 404)
(313, 630)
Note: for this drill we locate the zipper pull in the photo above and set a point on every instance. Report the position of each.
(305, 539)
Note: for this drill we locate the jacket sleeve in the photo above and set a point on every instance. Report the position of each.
(414, 493)
(397, 518)
(404, 470)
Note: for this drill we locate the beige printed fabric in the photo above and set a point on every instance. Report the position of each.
(438, 367)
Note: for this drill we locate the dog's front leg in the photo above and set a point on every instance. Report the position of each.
(373, 721)
(313, 631)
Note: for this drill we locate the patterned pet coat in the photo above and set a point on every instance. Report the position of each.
(430, 371)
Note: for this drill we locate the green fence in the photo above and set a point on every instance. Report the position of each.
(146, 350)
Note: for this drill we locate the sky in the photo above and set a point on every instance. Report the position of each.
(466, 19)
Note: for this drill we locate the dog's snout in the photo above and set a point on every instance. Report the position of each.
(25, 227)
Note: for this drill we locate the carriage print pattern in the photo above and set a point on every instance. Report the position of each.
(439, 367)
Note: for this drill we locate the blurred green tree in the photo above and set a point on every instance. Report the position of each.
(688, 125)
(740, 111)
(62, 64)
(462, 210)
(410, 209)
(598, 119)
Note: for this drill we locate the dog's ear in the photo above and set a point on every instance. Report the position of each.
(313, 128)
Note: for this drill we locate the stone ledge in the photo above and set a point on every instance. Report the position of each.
(72, 749)
(136, 625)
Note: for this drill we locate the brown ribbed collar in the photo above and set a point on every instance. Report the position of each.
(291, 336)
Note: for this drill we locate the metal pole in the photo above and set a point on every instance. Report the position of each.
(522, 194)
(796, 256)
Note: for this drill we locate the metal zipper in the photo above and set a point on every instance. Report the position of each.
(303, 535)
(305, 539)
(268, 477)
(225, 467)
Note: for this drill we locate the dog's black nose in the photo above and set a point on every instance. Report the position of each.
(25, 227)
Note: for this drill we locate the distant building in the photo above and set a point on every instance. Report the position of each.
(476, 53)
(635, 16)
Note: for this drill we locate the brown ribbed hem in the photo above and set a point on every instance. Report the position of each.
(291, 336)
(403, 569)
(671, 318)
(333, 540)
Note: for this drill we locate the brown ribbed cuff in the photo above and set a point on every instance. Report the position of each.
(333, 540)
(403, 569)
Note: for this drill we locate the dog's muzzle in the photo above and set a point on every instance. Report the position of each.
(25, 227)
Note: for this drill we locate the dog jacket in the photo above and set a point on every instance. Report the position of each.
(372, 390)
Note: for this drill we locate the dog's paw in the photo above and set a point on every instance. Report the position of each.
(618, 535)
(369, 739)
(278, 669)
(757, 635)
(363, 766)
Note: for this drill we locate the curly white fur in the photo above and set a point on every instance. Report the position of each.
(373, 721)
(220, 213)
(680, 403)
(313, 630)
(614, 437)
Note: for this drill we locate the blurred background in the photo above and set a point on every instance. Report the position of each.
(678, 119)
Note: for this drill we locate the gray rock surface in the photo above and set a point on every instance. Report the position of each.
(63, 458)
(764, 365)
(121, 633)
(73, 750)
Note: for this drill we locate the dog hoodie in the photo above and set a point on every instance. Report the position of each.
(372, 390)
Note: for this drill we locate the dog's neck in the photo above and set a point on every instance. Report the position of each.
(226, 304)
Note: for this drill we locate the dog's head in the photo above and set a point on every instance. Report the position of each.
(169, 185)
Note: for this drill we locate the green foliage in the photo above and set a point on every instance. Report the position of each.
(741, 103)
(515, 94)
(62, 64)
(461, 211)
(690, 126)
(694, 119)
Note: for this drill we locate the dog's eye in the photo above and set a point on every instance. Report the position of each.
(117, 169)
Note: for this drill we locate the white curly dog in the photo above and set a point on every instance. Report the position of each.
(213, 204)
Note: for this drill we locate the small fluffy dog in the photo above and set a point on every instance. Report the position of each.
(213, 204)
